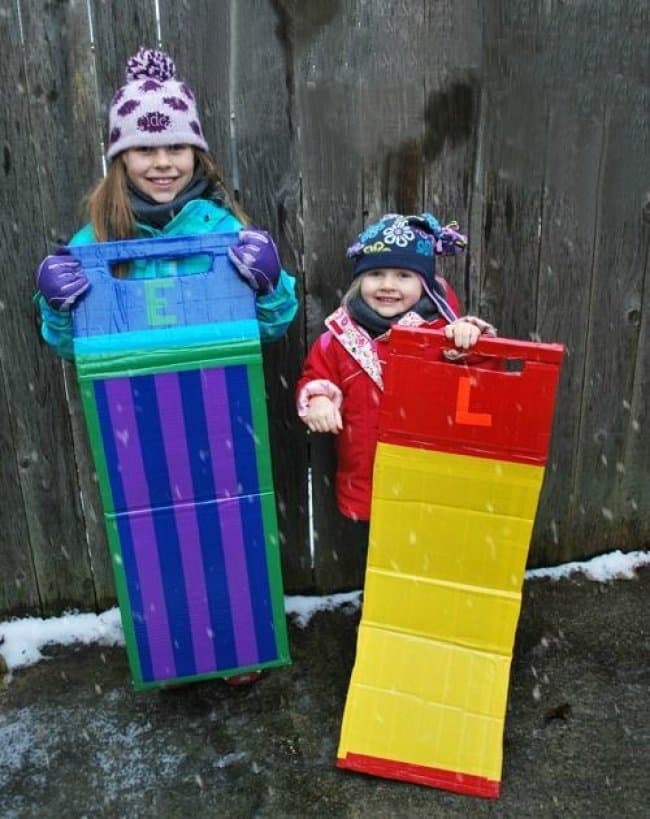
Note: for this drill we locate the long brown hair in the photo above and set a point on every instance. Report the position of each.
(109, 208)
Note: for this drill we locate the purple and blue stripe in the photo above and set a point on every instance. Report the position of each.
(127, 549)
(223, 448)
(174, 440)
(128, 470)
(180, 451)
(241, 419)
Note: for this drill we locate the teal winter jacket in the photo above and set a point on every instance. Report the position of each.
(275, 311)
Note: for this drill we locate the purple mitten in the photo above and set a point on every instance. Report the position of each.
(256, 258)
(61, 280)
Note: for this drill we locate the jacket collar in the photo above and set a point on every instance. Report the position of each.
(358, 343)
(186, 220)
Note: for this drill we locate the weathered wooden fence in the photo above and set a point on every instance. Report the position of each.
(527, 120)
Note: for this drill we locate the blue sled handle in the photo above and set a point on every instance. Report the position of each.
(97, 258)
(112, 305)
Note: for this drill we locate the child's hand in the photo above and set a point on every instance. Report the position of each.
(464, 334)
(322, 415)
(256, 259)
(61, 280)
(465, 331)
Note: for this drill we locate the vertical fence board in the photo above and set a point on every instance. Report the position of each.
(18, 586)
(513, 167)
(270, 193)
(327, 54)
(512, 162)
(88, 144)
(633, 500)
(608, 428)
(451, 55)
(390, 106)
(575, 136)
(18, 589)
(96, 76)
(574, 145)
(60, 108)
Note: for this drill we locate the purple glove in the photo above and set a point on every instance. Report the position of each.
(256, 258)
(61, 280)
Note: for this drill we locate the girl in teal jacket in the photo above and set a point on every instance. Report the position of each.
(161, 182)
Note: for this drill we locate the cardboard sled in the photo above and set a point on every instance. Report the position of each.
(172, 387)
(458, 472)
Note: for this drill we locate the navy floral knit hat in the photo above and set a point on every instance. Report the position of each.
(152, 108)
(407, 243)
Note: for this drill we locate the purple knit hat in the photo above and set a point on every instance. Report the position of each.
(152, 108)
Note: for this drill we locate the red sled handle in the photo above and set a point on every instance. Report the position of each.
(430, 344)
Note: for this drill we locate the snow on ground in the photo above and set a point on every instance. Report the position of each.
(21, 640)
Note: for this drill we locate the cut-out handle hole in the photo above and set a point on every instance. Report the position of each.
(164, 267)
(514, 365)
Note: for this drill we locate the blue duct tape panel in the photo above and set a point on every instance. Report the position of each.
(189, 281)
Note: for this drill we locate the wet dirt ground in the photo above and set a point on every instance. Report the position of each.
(77, 741)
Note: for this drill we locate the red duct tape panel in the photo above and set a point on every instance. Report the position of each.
(499, 403)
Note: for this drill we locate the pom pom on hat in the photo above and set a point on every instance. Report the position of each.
(150, 63)
(152, 108)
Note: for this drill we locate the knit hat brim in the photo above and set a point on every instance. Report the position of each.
(398, 259)
(137, 140)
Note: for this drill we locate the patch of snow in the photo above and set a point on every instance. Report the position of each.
(21, 640)
(613, 566)
(302, 608)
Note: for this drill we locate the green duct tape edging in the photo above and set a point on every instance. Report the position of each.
(89, 405)
(123, 600)
(112, 364)
(268, 503)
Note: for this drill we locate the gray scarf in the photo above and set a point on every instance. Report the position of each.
(376, 325)
(158, 214)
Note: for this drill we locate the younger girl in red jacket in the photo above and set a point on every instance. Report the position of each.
(395, 282)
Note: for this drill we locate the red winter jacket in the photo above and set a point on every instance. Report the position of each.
(345, 364)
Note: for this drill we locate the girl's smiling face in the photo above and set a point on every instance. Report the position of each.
(390, 291)
(160, 172)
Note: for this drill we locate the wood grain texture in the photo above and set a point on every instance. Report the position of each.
(526, 121)
(328, 51)
(574, 146)
(18, 581)
(55, 164)
(452, 132)
(262, 91)
(614, 372)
